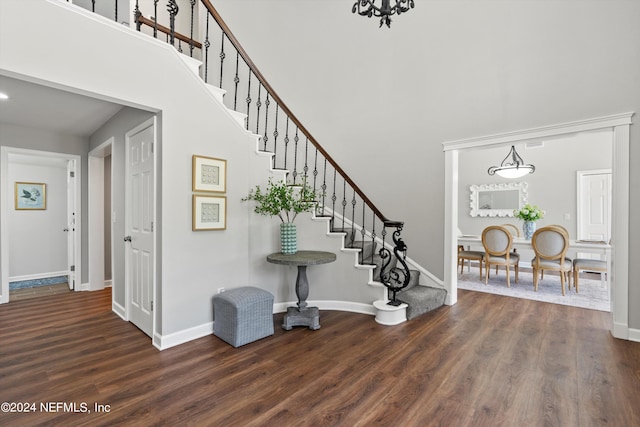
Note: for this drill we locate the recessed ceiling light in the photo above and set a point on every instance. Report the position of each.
(4, 95)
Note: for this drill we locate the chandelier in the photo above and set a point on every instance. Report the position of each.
(515, 168)
(368, 8)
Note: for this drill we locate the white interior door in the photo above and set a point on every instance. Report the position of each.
(594, 206)
(70, 227)
(140, 266)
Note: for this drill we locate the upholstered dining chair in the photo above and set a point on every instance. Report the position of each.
(513, 229)
(550, 245)
(515, 232)
(587, 265)
(567, 233)
(497, 242)
(469, 255)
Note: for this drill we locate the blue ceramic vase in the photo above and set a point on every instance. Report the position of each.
(528, 227)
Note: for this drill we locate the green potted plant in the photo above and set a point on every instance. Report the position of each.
(286, 202)
(529, 214)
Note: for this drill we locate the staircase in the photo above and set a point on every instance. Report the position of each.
(254, 104)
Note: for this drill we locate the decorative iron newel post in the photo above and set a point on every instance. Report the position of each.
(395, 279)
(172, 8)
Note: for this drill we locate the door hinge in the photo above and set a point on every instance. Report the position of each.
(152, 226)
(72, 174)
(72, 268)
(151, 305)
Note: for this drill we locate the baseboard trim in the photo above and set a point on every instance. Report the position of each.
(119, 310)
(620, 330)
(163, 342)
(352, 307)
(38, 276)
(634, 335)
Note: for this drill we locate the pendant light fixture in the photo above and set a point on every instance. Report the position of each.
(383, 11)
(512, 166)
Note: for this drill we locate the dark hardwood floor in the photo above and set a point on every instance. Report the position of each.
(487, 361)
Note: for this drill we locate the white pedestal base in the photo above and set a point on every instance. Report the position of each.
(389, 314)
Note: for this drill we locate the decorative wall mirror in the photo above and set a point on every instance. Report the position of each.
(497, 200)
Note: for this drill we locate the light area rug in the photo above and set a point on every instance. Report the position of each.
(593, 294)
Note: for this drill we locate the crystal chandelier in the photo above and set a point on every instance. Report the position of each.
(512, 169)
(368, 8)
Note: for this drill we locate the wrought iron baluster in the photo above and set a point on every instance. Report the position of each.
(207, 44)
(373, 235)
(249, 99)
(344, 205)
(222, 56)
(137, 14)
(362, 231)
(172, 8)
(286, 143)
(294, 174)
(305, 168)
(155, 19)
(93, 6)
(258, 105)
(353, 211)
(324, 191)
(236, 80)
(315, 173)
(266, 121)
(116, 10)
(275, 138)
(193, 6)
(333, 196)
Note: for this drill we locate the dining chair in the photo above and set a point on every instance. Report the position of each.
(586, 264)
(515, 232)
(469, 255)
(567, 232)
(497, 242)
(550, 246)
(513, 229)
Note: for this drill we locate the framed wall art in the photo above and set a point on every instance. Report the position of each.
(31, 196)
(209, 213)
(209, 174)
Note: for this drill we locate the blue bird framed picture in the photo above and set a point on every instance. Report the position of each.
(31, 196)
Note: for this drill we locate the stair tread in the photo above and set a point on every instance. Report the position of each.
(421, 300)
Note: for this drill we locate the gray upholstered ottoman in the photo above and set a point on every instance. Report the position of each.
(243, 315)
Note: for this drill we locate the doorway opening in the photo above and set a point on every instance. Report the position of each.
(100, 216)
(40, 247)
(553, 189)
(620, 125)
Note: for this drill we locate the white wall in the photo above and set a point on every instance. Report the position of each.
(552, 186)
(37, 242)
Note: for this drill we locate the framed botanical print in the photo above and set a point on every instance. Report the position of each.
(30, 196)
(209, 213)
(209, 174)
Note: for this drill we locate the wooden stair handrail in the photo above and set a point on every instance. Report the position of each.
(286, 109)
(153, 24)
